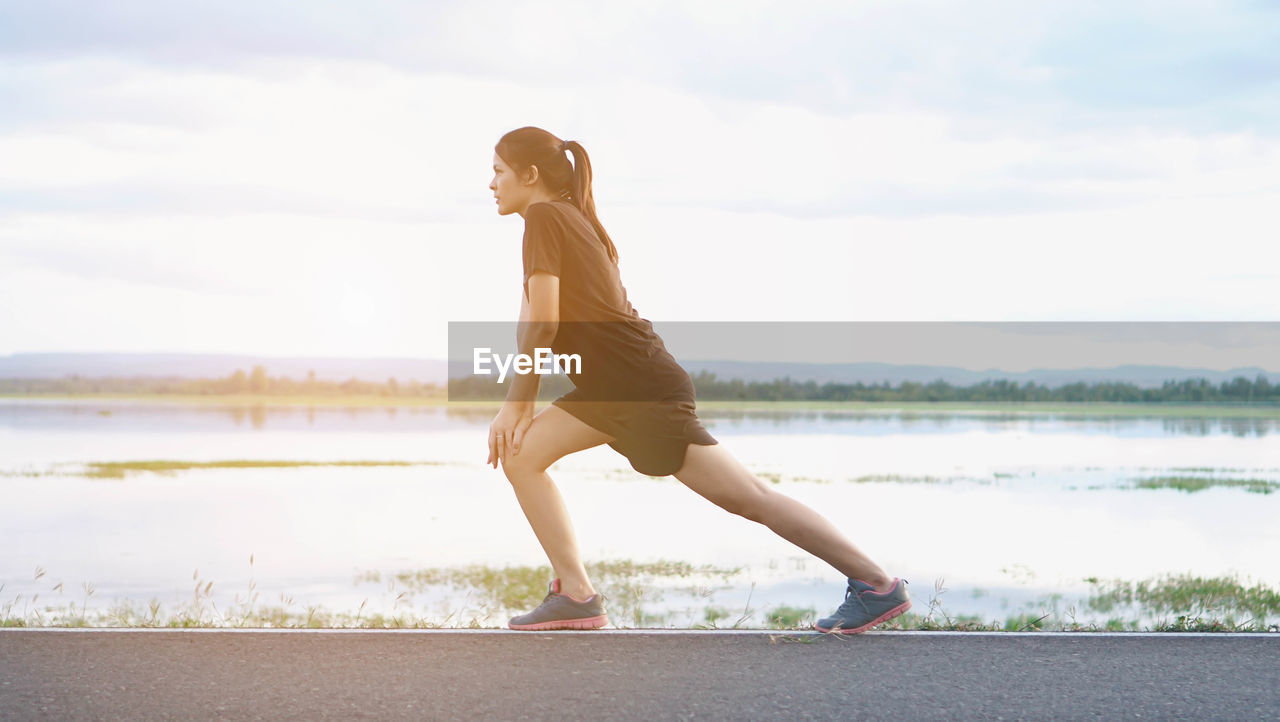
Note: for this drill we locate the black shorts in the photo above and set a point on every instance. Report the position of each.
(652, 435)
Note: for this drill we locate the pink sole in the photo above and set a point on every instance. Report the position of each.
(584, 623)
(882, 618)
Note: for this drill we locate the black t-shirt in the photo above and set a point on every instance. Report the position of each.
(623, 358)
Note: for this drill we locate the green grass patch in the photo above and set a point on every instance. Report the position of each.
(1175, 603)
(627, 585)
(1190, 597)
(1186, 623)
(899, 479)
(26, 473)
(1191, 484)
(121, 469)
(788, 617)
(928, 623)
(482, 596)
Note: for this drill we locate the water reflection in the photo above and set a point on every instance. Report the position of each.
(472, 415)
(161, 417)
(120, 415)
(1237, 427)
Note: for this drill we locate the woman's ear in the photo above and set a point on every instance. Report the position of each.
(531, 177)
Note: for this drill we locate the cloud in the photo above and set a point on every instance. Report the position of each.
(366, 141)
(1067, 63)
(877, 160)
(1262, 340)
(177, 199)
(138, 267)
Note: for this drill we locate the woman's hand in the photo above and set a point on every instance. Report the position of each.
(507, 431)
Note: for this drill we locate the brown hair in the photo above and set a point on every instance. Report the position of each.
(530, 146)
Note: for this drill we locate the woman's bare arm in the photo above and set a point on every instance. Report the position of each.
(539, 321)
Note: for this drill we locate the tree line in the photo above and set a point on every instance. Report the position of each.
(1239, 390)
(255, 382)
(707, 385)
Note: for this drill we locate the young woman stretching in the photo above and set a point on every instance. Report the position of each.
(629, 393)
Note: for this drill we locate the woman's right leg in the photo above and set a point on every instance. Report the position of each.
(716, 475)
(553, 433)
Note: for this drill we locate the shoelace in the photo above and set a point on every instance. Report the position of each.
(846, 606)
(552, 595)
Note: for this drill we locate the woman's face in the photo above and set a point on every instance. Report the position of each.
(511, 195)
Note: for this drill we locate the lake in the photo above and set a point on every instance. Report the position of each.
(991, 515)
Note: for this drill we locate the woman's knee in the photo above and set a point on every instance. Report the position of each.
(523, 465)
(752, 504)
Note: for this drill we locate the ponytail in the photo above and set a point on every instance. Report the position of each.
(580, 194)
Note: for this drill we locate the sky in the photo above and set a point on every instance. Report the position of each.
(311, 179)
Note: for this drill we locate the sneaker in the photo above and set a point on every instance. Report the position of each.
(561, 611)
(863, 608)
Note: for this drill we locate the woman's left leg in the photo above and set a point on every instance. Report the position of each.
(554, 433)
(715, 474)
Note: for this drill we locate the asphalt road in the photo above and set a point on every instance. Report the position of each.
(251, 674)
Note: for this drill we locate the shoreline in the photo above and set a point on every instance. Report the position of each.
(916, 407)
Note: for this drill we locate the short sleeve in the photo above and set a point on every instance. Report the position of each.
(543, 236)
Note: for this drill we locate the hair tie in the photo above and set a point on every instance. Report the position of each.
(564, 145)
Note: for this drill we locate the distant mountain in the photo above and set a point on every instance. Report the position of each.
(57, 365)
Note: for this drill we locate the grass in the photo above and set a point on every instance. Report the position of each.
(777, 478)
(788, 617)
(1191, 484)
(902, 479)
(482, 596)
(1177, 603)
(120, 469)
(1188, 597)
(627, 585)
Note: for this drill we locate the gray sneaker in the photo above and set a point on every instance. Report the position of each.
(561, 611)
(863, 608)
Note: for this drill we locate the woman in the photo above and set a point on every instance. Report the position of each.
(629, 393)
